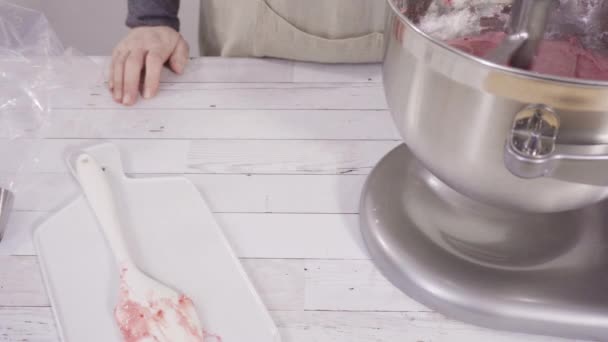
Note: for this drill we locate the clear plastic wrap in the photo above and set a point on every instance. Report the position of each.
(27, 44)
(33, 64)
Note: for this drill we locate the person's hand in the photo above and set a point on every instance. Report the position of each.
(146, 49)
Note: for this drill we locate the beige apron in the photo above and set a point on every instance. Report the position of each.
(327, 31)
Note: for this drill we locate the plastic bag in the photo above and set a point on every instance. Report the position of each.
(27, 45)
(33, 64)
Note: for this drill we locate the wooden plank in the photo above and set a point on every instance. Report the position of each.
(198, 70)
(387, 327)
(198, 96)
(354, 285)
(280, 284)
(224, 193)
(214, 156)
(233, 70)
(286, 157)
(27, 325)
(21, 283)
(346, 73)
(246, 70)
(222, 124)
(283, 284)
(287, 236)
(37, 325)
(294, 236)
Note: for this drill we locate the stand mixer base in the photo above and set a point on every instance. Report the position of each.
(524, 272)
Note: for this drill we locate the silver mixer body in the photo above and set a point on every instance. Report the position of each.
(456, 112)
(494, 210)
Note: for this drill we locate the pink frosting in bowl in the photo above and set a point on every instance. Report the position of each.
(563, 58)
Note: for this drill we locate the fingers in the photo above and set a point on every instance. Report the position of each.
(145, 48)
(111, 75)
(154, 66)
(132, 74)
(179, 58)
(117, 74)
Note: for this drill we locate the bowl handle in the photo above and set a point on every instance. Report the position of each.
(531, 151)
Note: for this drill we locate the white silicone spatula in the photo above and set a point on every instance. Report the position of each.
(147, 310)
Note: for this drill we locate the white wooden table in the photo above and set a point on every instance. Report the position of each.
(280, 150)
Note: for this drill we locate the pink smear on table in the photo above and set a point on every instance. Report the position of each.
(565, 58)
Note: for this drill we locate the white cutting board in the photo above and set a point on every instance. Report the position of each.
(173, 237)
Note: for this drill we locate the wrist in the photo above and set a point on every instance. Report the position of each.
(153, 22)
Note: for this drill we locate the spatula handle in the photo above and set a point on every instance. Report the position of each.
(98, 192)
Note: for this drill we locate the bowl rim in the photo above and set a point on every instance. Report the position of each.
(497, 67)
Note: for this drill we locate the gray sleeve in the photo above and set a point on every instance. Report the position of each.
(153, 13)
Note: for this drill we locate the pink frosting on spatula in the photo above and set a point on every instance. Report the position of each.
(157, 319)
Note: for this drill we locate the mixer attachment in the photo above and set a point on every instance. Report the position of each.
(526, 30)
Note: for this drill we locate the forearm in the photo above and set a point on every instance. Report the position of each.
(153, 13)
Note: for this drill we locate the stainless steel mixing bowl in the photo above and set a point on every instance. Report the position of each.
(499, 135)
